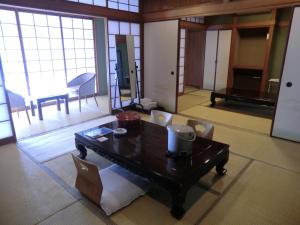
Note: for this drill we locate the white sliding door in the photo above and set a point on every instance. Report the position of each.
(210, 59)
(6, 129)
(287, 119)
(160, 60)
(223, 55)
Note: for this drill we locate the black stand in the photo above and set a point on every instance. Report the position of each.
(132, 104)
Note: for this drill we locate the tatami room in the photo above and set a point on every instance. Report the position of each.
(153, 56)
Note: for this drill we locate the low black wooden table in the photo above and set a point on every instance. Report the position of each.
(143, 151)
(57, 97)
(247, 96)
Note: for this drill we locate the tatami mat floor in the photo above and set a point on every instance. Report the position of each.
(261, 187)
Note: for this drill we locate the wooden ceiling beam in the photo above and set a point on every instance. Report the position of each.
(221, 8)
(73, 8)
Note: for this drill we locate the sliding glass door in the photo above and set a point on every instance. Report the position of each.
(7, 133)
(41, 52)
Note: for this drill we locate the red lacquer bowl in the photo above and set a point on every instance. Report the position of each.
(128, 119)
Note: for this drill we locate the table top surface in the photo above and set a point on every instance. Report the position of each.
(247, 94)
(146, 147)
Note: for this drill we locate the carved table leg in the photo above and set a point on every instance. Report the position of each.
(81, 149)
(220, 166)
(178, 199)
(212, 99)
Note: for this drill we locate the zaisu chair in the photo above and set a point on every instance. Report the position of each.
(111, 188)
(206, 132)
(17, 102)
(161, 118)
(83, 86)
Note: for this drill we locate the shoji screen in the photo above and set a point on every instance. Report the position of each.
(122, 28)
(160, 60)
(181, 61)
(6, 129)
(210, 59)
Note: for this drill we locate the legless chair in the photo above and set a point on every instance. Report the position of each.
(208, 131)
(111, 188)
(161, 118)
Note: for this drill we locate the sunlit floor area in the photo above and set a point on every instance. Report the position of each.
(54, 119)
(259, 168)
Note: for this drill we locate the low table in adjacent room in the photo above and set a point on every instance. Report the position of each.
(143, 149)
(46, 98)
(247, 96)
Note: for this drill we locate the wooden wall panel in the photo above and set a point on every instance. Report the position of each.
(218, 8)
(194, 58)
(158, 5)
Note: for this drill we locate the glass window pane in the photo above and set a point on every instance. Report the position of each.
(77, 23)
(100, 2)
(40, 20)
(68, 33)
(113, 27)
(89, 44)
(42, 32)
(27, 31)
(112, 5)
(10, 30)
(124, 28)
(70, 54)
(29, 43)
(56, 43)
(88, 24)
(90, 63)
(33, 66)
(80, 63)
(79, 43)
(58, 64)
(133, 9)
(54, 32)
(4, 114)
(78, 33)
(2, 96)
(12, 42)
(31, 55)
(123, 1)
(135, 29)
(69, 43)
(123, 7)
(57, 54)
(134, 2)
(26, 18)
(86, 1)
(66, 22)
(112, 40)
(45, 54)
(89, 53)
(5, 130)
(7, 16)
(137, 53)
(46, 65)
(137, 41)
(88, 34)
(53, 21)
(80, 54)
(43, 43)
(71, 64)
(14, 55)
